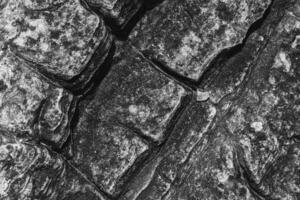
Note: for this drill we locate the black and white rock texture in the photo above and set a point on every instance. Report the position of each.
(149, 100)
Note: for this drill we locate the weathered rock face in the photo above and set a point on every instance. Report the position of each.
(80, 120)
(137, 95)
(31, 106)
(118, 11)
(186, 36)
(107, 153)
(58, 37)
(33, 172)
(132, 96)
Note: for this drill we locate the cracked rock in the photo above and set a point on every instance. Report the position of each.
(138, 96)
(201, 101)
(185, 36)
(30, 106)
(62, 39)
(118, 11)
(33, 172)
(107, 153)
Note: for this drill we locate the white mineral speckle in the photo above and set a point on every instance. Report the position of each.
(257, 126)
(133, 109)
(4, 183)
(282, 60)
(296, 42)
(202, 95)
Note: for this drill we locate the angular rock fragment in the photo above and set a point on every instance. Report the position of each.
(106, 153)
(211, 173)
(188, 133)
(282, 180)
(265, 115)
(137, 95)
(118, 11)
(30, 106)
(185, 36)
(30, 171)
(133, 96)
(65, 41)
(229, 78)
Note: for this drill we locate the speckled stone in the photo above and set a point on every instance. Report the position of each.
(186, 36)
(106, 153)
(282, 180)
(30, 106)
(59, 37)
(33, 172)
(227, 78)
(119, 11)
(190, 132)
(198, 162)
(211, 173)
(265, 116)
(137, 95)
(133, 100)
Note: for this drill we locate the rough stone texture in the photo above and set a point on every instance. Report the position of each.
(33, 172)
(268, 110)
(143, 128)
(30, 106)
(132, 95)
(136, 95)
(186, 36)
(59, 37)
(118, 11)
(106, 153)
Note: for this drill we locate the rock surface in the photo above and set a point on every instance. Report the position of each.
(33, 172)
(58, 37)
(119, 12)
(30, 105)
(170, 34)
(200, 102)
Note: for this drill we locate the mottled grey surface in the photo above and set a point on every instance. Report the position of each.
(149, 100)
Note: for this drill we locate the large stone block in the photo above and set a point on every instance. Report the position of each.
(185, 36)
(31, 171)
(62, 39)
(31, 106)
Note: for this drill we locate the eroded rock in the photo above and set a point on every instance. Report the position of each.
(33, 172)
(189, 133)
(65, 41)
(30, 106)
(282, 181)
(211, 173)
(186, 36)
(134, 100)
(137, 95)
(264, 117)
(118, 11)
(106, 153)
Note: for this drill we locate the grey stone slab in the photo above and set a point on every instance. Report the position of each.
(62, 39)
(30, 171)
(31, 106)
(185, 36)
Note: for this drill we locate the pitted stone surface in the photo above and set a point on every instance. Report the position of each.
(145, 128)
(186, 36)
(282, 181)
(265, 117)
(106, 153)
(59, 37)
(211, 173)
(189, 132)
(120, 11)
(31, 106)
(33, 172)
(137, 95)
